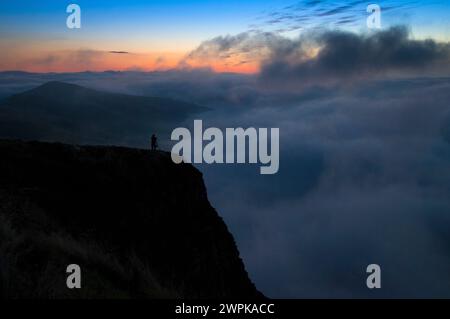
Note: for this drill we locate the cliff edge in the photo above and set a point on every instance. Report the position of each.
(138, 225)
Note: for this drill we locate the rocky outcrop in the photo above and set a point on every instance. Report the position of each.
(138, 225)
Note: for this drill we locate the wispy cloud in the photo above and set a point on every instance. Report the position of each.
(310, 14)
(82, 57)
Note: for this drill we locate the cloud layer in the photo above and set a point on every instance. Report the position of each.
(321, 57)
(345, 56)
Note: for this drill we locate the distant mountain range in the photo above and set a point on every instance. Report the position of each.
(63, 112)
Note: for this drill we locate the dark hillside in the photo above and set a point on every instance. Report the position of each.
(68, 113)
(137, 224)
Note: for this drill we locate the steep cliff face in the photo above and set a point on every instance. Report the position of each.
(137, 224)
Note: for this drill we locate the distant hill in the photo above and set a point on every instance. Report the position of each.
(63, 112)
(138, 225)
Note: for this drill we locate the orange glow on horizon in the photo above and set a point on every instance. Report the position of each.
(98, 61)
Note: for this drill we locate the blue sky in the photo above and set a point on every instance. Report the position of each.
(195, 20)
(30, 28)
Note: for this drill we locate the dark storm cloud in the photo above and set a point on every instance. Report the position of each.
(346, 56)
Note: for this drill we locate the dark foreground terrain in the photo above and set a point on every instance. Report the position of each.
(138, 225)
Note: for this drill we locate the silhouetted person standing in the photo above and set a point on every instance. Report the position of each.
(154, 142)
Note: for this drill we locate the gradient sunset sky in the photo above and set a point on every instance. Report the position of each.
(153, 35)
